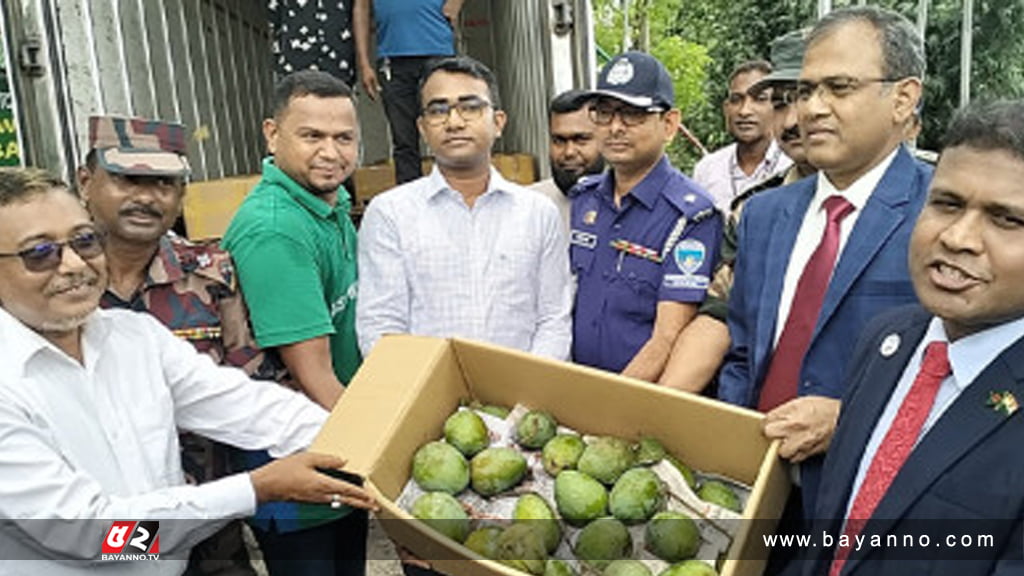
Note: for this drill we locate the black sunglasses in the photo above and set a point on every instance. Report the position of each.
(47, 256)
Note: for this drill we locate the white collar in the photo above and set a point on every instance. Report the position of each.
(22, 344)
(857, 193)
(970, 355)
(436, 184)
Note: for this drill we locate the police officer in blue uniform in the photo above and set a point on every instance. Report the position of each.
(644, 236)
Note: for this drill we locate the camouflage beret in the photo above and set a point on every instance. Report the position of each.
(138, 146)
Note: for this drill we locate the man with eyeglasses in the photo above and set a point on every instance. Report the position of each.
(755, 155)
(91, 402)
(133, 183)
(644, 237)
(701, 347)
(819, 258)
(462, 251)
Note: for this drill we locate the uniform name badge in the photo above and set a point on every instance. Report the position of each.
(583, 239)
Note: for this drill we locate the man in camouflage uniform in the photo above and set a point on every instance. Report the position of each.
(701, 347)
(133, 182)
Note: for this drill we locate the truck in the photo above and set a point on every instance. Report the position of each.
(208, 64)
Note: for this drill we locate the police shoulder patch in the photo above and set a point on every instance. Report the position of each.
(689, 255)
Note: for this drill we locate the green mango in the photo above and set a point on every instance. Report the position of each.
(605, 459)
(442, 512)
(636, 496)
(561, 453)
(672, 536)
(492, 409)
(602, 541)
(438, 466)
(484, 541)
(522, 548)
(556, 567)
(649, 451)
(579, 497)
(533, 510)
(495, 470)
(689, 568)
(720, 494)
(466, 431)
(627, 568)
(686, 471)
(534, 429)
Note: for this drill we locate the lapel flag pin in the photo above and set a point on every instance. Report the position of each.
(890, 345)
(1003, 402)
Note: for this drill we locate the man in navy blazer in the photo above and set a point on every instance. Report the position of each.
(964, 475)
(859, 86)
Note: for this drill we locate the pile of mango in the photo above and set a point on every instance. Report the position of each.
(601, 488)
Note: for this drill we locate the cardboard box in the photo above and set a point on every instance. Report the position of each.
(210, 205)
(409, 385)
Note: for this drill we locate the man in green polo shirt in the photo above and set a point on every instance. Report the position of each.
(295, 251)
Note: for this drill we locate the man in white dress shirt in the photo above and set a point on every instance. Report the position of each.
(462, 251)
(91, 402)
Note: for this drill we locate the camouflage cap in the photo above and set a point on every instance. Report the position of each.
(787, 59)
(138, 146)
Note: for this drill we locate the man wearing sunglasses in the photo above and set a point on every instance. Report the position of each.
(819, 258)
(91, 402)
(462, 251)
(644, 237)
(133, 183)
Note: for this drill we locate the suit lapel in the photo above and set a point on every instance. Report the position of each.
(780, 248)
(860, 416)
(966, 423)
(883, 214)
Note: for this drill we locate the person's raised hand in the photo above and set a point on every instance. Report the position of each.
(297, 478)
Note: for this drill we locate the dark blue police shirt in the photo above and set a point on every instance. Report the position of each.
(667, 218)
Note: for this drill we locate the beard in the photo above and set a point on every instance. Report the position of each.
(65, 324)
(566, 179)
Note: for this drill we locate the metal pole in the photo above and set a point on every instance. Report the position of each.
(922, 17)
(966, 39)
(627, 38)
(824, 7)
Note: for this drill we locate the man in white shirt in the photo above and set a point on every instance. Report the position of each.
(574, 152)
(91, 402)
(755, 156)
(463, 252)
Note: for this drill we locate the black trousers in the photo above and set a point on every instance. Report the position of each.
(333, 549)
(399, 79)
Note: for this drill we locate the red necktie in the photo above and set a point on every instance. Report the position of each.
(780, 385)
(896, 446)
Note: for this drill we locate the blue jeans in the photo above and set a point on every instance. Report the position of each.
(334, 549)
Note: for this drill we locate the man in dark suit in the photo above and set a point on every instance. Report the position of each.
(819, 258)
(929, 436)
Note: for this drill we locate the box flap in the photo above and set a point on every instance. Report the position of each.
(375, 402)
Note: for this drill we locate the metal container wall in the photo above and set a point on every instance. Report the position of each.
(205, 63)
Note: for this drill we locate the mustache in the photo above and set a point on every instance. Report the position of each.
(142, 209)
(791, 133)
(72, 281)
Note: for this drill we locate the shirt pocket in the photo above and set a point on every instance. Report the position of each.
(581, 259)
(639, 280)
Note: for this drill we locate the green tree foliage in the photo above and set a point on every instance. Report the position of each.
(718, 35)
